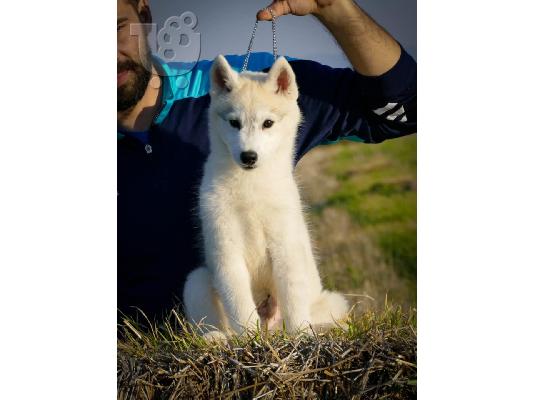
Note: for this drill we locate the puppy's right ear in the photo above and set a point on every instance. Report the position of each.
(223, 77)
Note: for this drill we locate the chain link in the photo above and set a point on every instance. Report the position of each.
(275, 48)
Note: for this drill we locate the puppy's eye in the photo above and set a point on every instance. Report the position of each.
(268, 123)
(235, 123)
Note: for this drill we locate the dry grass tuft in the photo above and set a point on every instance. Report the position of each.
(375, 358)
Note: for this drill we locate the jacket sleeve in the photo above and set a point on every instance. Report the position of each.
(339, 103)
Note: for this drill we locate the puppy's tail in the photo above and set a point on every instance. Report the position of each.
(329, 307)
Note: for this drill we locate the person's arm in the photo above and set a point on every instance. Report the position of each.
(374, 102)
(339, 103)
(370, 49)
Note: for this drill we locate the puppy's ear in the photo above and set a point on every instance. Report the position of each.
(223, 77)
(282, 78)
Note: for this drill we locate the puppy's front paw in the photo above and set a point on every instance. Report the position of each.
(215, 337)
(299, 327)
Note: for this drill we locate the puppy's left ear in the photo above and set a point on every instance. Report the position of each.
(282, 78)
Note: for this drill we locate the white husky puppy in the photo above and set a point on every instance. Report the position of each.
(260, 267)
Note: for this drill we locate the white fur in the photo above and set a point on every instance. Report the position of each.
(258, 253)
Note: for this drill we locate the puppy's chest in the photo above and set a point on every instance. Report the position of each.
(260, 211)
(258, 260)
(256, 241)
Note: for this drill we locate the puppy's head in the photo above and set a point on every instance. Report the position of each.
(254, 114)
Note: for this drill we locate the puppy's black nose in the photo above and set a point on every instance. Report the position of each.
(249, 157)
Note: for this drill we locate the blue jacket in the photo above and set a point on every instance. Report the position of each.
(159, 171)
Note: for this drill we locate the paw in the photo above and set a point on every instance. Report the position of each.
(247, 325)
(301, 327)
(215, 337)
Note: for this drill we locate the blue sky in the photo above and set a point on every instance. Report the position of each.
(225, 28)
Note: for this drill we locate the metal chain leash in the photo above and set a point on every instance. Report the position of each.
(249, 50)
(275, 47)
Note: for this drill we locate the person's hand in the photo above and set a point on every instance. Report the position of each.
(295, 7)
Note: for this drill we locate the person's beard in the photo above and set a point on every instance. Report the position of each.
(129, 93)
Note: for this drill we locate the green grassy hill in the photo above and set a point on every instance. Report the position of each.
(362, 213)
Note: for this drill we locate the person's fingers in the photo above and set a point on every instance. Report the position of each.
(278, 7)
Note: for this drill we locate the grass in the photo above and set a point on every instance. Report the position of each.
(373, 358)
